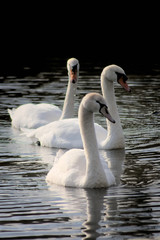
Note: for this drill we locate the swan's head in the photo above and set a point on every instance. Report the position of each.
(116, 73)
(73, 69)
(94, 102)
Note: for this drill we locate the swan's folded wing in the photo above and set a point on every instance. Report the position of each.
(69, 169)
(59, 134)
(34, 115)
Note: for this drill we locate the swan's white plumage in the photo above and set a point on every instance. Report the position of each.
(63, 134)
(70, 170)
(66, 133)
(36, 115)
(83, 168)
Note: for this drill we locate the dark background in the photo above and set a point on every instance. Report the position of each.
(105, 33)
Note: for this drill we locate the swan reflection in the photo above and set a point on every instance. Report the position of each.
(87, 203)
(91, 205)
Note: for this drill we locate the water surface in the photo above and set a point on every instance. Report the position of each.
(30, 209)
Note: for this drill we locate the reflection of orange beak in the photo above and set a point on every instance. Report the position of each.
(73, 76)
(124, 84)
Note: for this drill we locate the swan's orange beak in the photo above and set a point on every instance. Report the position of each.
(124, 84)
(73, 76)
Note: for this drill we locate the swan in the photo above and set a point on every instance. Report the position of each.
(66, 133)
(84, 168)
(35, 115)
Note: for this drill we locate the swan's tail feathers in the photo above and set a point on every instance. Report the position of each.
(11, 112)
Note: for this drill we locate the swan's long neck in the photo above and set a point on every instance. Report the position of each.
(115, 137)
(68, 106)
(95, 175)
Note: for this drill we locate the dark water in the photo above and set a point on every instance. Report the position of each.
(29, 209)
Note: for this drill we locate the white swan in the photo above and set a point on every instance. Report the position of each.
(66, 133)
(84, 168)
(35, 115)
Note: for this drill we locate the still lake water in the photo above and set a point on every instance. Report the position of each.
(30, 209)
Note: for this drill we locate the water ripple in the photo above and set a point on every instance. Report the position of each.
(30, 209)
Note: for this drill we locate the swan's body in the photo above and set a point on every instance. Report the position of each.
(66, 133)
(35, 115)
(63, 134)
(84, 168)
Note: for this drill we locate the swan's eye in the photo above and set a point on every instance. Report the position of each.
(121, 76)
(101, 106)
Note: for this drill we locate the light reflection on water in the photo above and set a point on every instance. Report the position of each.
(29, 208)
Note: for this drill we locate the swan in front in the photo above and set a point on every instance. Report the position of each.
(66, 133)
(84, 168)
(35, 115)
